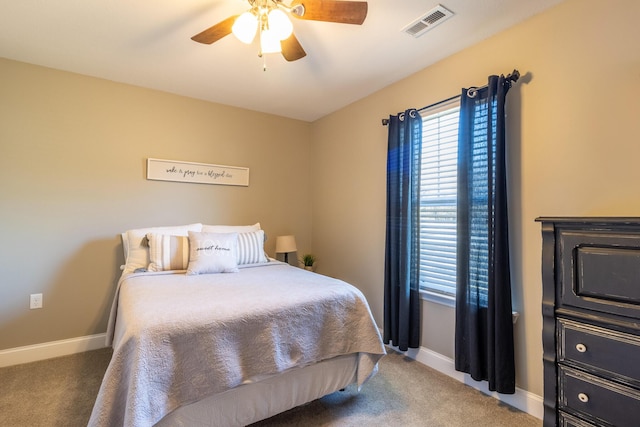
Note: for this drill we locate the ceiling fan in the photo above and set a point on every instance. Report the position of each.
(270, 19)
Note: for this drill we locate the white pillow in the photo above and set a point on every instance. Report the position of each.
(230, 228)
(251, 248)
(167, 252)
(136, 249)
(212, 253)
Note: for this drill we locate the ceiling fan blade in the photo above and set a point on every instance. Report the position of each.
(292, 49)
(215, 33)
(343, 12)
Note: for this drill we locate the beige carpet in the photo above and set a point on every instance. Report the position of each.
(61, 392)
(54, 392)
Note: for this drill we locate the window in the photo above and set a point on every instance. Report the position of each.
(438, 201)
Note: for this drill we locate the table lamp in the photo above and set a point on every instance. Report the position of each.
(285, 245)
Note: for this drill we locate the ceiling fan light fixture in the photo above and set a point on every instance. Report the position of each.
(280, 24)
(245, 27)
(269, 42)
(272, 18)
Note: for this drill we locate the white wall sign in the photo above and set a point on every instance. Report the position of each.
(201, 173)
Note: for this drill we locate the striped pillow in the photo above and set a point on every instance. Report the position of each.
(251, 248)
(168, 252)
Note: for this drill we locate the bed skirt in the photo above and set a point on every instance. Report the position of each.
(256, 401)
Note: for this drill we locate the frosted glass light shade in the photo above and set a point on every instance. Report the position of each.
(280, 24)
(269, 43)
(245, 27)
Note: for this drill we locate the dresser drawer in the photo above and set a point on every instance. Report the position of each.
(599, 348)
(601, 401)
(600, 270)
(568, 420)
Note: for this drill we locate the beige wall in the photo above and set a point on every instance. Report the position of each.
(73, 151)
(72, 177)
(574, 150)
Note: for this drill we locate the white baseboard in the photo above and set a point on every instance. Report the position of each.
(522, 399)
(33, 353)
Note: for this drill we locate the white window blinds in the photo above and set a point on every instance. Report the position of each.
(438, 201)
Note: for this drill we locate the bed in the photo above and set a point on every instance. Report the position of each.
(230, 337)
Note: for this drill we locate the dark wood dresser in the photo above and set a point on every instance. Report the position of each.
(591, 321)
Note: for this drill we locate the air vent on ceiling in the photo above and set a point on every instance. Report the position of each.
(434, 17)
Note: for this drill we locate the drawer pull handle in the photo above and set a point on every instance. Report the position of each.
(583, 397)
(581, 348)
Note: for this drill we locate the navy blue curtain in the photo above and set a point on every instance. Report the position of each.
(402, 252)
(484, 327)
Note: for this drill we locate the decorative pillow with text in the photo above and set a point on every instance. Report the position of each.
(212, 253)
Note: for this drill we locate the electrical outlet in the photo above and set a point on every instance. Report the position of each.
(35, 301)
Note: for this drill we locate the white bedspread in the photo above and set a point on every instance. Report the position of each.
(178, 338)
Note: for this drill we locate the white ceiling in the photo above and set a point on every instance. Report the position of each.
(147, 43)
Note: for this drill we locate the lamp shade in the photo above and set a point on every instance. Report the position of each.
(285, 244)
(280, 24)
(269, 42)
(245, 27)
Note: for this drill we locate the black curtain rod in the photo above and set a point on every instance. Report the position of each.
(472, 91)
